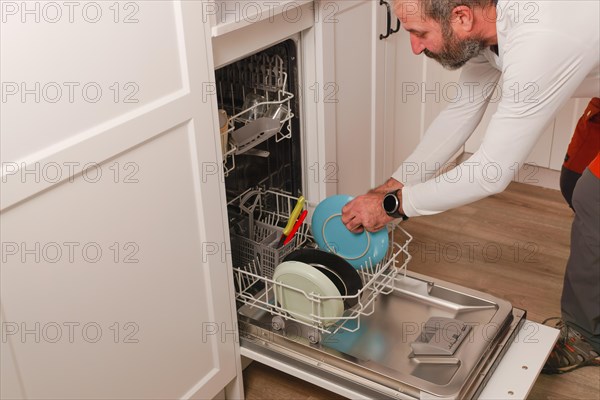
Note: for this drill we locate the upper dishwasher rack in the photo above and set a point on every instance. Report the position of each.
(255, 256)
(264, 75)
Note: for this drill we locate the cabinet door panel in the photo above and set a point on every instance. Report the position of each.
(115, 281)
(102, 66)
(408, 105)
(551, 147)
(422, 90)
(349, 86)
(540, 154)
(12, 386)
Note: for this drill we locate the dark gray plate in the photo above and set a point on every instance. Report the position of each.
(339, 271)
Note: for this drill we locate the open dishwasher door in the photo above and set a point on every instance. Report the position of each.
(425, 339)
(408, 336)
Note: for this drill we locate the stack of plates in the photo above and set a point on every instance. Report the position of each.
(333, 283)
(317, 286)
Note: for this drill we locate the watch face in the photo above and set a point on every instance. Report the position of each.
(390, 203)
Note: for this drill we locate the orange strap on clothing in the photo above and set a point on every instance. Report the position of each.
(595, 166)
(585, 143)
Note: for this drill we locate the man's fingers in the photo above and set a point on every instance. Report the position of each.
(348, 207)
(353, 225)
(350, 218)
(347, 215)
(357, 229)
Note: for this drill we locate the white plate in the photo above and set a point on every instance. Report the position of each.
(306, 279)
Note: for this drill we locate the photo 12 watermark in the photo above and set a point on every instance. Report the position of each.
(472, 252)
(469, 92)
(215, 251)
(404, 332)
(69, 252)
(69, 92)
(525, 11)
(70, 12)
(467, 171)
(70, 332)
(326, 93)
(292, 12)
(53, 172)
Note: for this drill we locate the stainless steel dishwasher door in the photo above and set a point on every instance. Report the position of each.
(427, 338)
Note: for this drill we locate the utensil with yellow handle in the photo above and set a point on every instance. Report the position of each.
(292, 220)
(297, 225)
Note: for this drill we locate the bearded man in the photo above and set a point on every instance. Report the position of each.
(542, 56)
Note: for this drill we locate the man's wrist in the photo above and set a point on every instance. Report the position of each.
(388, 186)
(400, 208)
(392, 204)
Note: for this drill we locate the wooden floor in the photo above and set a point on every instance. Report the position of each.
(513, 245)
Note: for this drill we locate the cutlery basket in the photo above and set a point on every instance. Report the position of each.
(257, 234)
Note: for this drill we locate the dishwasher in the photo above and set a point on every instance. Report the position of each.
(407, 335)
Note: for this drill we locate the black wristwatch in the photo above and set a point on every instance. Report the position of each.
(391, 205)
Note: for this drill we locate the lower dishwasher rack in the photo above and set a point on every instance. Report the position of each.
(256, 254)
(378, 360)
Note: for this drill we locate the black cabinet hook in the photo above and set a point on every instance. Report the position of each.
(389, 20)
(389, 30)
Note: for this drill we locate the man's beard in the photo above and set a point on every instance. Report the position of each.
(455, 52)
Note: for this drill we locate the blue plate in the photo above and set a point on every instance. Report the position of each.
(366, 343)
(333, 236)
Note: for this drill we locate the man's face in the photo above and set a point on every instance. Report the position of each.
(455, 52)
(437, 41)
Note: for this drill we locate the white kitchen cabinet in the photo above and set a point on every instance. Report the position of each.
(242, 28)
(540, 154)
(352, 91)
(226, 16)
(115, 278)
(375, 122)
(551, 147)
(421, 90)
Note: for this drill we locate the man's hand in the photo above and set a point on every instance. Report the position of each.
(367, 211)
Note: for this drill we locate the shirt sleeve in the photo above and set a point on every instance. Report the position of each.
(541, 71)
(453, 126)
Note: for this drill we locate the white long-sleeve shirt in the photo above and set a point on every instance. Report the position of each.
(549, 51)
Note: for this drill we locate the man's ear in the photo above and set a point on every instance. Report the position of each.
(462, 19)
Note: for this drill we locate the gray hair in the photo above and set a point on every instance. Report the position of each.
(440, 10)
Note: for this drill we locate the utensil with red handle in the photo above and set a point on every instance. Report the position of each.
(292, 220)
(296, 227)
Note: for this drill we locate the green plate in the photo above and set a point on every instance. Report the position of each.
(306, 279)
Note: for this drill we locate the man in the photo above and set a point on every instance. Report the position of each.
(543, 53)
